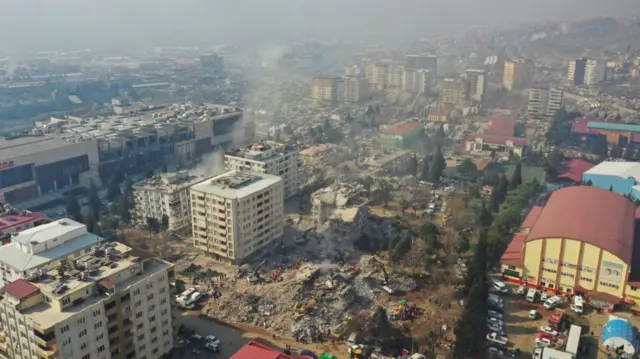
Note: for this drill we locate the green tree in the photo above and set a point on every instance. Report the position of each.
(412, 166)
(516, 178)
(484, 218)
(471, 329)
(425, 169)
(94, 202)
(437, 167)
(380, 329)
(403, 246)
(464, 244)
(165, 222)
(629, 151)
(404, 205)
(599, 146)
(113, 189)
(467, 168)
(478, 266)
(126, 202)
(73, 207)
(92, 223)
(153, 225)
(383, 193)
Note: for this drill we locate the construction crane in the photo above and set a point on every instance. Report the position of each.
(254, 277)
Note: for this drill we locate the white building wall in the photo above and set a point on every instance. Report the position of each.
(84, 334)
(288, 167)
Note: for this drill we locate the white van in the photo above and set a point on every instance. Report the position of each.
(500, 286)
(552, 302)
(531, 295)
(187, 293)
(578, 304)
(195, 296)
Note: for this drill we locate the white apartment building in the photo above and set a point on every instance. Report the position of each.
(417, 80)
(544, 101)
(476, 84)
(165, 194)
(77, 297)
(271, 158)
(594, 72)
(394, 77)
(353, 89)
(377, 75)
(237, 214)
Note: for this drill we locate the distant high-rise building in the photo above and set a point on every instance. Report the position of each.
(576, 71)
(594, 71)
(476, 84)
(421, 62)
(324, 90)
(394, 77)
(377, 75)
(517, 73)
(453, 91)
(353, 89)
(544, 101)
(417, 80)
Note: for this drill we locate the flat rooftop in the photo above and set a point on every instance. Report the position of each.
(169, 182)
(11, 217)
(261, 150)
(236, 184)
(29, 144)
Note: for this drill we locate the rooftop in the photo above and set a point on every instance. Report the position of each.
(574, 170)
(235, 184)
(169, 182)
(11, 217)
(261, 150)
(402, 128)
(20, 289)
(255, 350)
(498, 140)
(19, 146)
(620, 169)
(503, 125)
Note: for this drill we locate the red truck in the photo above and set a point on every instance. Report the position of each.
(556, 318)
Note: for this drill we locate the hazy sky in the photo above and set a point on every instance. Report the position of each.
(50, 24)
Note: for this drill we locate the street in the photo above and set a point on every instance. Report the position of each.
(231, 339)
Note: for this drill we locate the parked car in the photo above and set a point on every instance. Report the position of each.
(544, 335)
(543, 342)
(495, 321)
(494, 328)
(495, 352)
(537, 353)
(531, 295)
(578, 304)
(549, 331)
(499, 286)
(533, 314)
(212, 339)
(196, 337)
(544, 296)
(213, 347)
(494, 314)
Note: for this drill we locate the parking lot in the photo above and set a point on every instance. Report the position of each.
(231, 339)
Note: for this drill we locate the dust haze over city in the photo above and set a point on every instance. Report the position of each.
(327, 180)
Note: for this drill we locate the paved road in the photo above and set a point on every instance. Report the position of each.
(230, 338)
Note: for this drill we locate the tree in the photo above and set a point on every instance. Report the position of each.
(380, 329)
(412, 166)
(485, 218)
(478, 266)
(588, 183)
(494, 200)
(464, 244)
(73, 207)
(403, 246)
(611, 188)
(425, 169)
(404, 205)
(153, 225)
(165, 222)
(93, 201)
(383, 193)
(516, 179)
(92, 223)
(471, 329)
(629, 151)
(438, 165)
(126, 202)
(467, 168)
(599, 146)
(552, 164)
(113, 189)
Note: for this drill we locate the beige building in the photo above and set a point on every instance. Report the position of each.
(324, 90)
(271, 158)
(377, 76)
(544, 101)
(518, 73)
(165, 194)
(341, 205)
(72, 296)
(353, 89)
(594, 71)
(394, 77)
(453, 91)
(417, 80)
(237, 214)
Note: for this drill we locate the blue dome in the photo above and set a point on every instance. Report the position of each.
(618, 332)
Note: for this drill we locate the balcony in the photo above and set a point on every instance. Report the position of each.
(47, 352)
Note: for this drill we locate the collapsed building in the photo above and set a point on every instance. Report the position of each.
(342, 206)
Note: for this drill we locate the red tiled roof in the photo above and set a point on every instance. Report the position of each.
(503, 125)
(20, 289)
(513, 254)
(402, 128)
(532, 217)
(592, 215)
(498, 140)
(18, 220)
(574, 169)
(255, 350)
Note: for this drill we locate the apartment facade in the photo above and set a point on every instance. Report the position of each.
(417, 80)
(576, 71)
(544, 101)
(594, 72)
(324, 90)
(93, 301)
(237, 215)
(353, 89)
(453, 91)
(517, 73)
(165, 194)
(421, 62)
(394, 77)
(377, 75)
(476, 84)
(271, 158)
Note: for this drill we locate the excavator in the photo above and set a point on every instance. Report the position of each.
(303, 307)
(379, 266)
(254, 277)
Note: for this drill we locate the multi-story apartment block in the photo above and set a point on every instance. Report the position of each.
(517, 73)
(575, 71)
(324, 90)
(417, 80)
(394, 77)
(69, 295)
(421, 62)
(271, 158)
(377, 75)
(544, 101)
(594, 71)
(165, 194)
(476, 84)
(353, 89)
(238, 214)
(453, 91)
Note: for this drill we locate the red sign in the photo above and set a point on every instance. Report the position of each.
(6, 164)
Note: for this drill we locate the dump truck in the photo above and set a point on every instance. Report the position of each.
(556, 318)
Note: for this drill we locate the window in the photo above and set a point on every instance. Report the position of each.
(155, 351)
(66, 300)
(153, 318)
(141, 337)
(139, 315)
(154, 340)
(83, 346)
(97, 325)
(86, 356)
(81, 321)
(163, 301)
(149, 285)
(64, 329)
(96, 313)
(83, 332)
(136, 292)
(150, 296)
(99, 337)
(101, 349)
